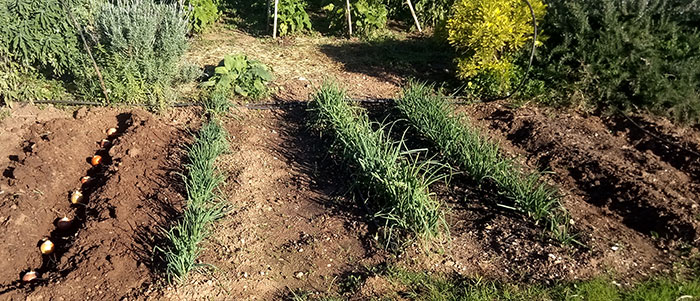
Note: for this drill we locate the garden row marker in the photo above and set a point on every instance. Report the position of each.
(274, 29)
(349, 18)
(413, 13)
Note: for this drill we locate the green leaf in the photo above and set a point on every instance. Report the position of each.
(221, 70)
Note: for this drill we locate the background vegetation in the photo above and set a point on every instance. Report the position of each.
(624, 54)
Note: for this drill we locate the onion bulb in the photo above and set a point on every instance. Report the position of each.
(46, 247)
(64, 223)
(111, 132)
(85, 179)
(76, 197)
(105, 143)
(96, 160)
(29, 276)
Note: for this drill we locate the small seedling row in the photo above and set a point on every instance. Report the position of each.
(398, 183)
(385, 168)
(54, 245)
(202, 207)
(432, 116)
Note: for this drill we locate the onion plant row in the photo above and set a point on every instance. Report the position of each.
(203, 206)
(395, 181)
(464, 147)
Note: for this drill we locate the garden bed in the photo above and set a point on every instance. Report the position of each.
(107, 252)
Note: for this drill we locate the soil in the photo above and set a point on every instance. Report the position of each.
(106, 253)
(294, 225)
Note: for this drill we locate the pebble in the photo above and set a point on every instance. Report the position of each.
(298, 275)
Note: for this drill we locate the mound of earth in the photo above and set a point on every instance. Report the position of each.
(106, 254)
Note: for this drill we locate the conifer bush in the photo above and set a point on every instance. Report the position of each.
(625, 54)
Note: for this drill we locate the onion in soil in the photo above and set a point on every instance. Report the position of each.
(96, 160)
(64, 223)
(105, 143)
(85, 179)
(29, 276)
(46, 247)
(111, 132)
(76, 197)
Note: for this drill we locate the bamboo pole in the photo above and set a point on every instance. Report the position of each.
(349, 12)
(413, 13)
(274, 27)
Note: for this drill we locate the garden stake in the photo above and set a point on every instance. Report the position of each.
(349, 18)
(274, 29)
(413, 13)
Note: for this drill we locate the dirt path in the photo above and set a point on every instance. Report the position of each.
(290, 226)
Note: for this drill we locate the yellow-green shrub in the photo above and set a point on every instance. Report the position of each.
(487, 34)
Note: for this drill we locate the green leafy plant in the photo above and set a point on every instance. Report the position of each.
(430, 114)
(38, 45)
(139, 50)
(292, 17)
(397, 185)
(202, 207)
(368, 16)
(625, 54)
(488, 34)
(204, 14)
(237, 74)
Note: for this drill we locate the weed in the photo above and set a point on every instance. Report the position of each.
(202, 207)
(237, 74)
(5, 113)
(398, 183)
(431, 115)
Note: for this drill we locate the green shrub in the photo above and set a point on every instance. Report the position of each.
(204, 14)
(488, 34)
(433, 12)
(237, 74)
(292, 17)
(140, 46)
(368, 16)
(626, 54)
(38, 44)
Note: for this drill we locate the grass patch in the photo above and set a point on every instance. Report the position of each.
(396, 180)
(421, 286)
(202, 206)
(462, 144)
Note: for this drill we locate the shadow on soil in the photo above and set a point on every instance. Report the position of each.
(311, 158)
(392, 59)
(600, 182)
(165, 214)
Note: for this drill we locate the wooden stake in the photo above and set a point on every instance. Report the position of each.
(413, 13)
(274, 27)
(349, 12)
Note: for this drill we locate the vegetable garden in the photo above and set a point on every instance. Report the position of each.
(349, 150)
